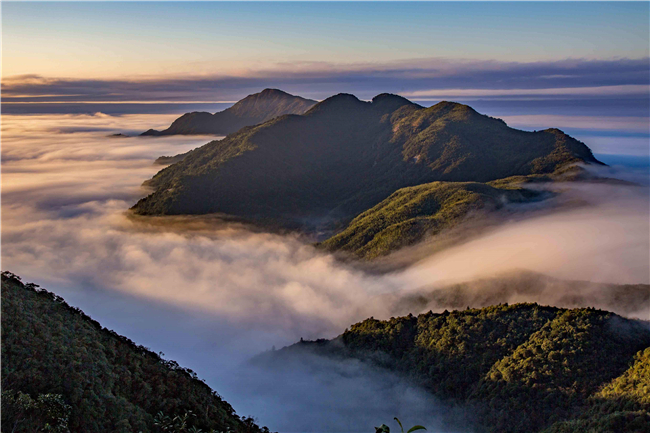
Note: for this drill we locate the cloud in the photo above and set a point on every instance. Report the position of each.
(211, 294)
(596, 123)
(628, 89)
(601, 240)
(423, 77)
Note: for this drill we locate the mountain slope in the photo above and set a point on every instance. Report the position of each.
(623, 405)
(344, 156)
(111, 384)
(251, 110)
(517, 368)
(412, 213)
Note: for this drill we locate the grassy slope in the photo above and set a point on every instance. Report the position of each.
(111, 383)
(344, 156)
(520, 368)
(411, 214)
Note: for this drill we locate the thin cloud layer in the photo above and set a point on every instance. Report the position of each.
(417, 77)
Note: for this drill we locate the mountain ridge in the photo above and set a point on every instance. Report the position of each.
(92, 378)
(344, 156)
(253, 109)
(411, 214)
(518, 368)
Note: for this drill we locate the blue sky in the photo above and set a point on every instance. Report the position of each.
(579, 65)
(136, 39)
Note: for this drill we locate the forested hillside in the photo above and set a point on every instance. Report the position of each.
(516, 368)
(63, 371)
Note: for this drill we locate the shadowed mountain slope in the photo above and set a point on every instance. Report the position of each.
(344, 156)
(251, 110)
(86, 378)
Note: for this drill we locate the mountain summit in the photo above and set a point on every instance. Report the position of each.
(344, 156)
(251, 110)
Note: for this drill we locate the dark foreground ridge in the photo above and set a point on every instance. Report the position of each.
(63, 369)
(345, 156)
(516, 368)
(251, 110)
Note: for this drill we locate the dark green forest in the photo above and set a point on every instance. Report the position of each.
(514, 368)
(62, 371)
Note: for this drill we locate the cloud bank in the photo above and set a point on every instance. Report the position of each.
(428, 78)
(211, 294)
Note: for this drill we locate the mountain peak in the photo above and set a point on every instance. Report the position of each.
(454, 109)
(337, 103)
(342, 97)
(253, 109)
(452, 105)
(389, 97)
(390, 102)
(554, 131)
(273, 92)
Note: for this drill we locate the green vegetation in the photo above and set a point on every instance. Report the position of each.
(622, 405)
(517, 368)
(385, 429)
(344, 156)
(617, 422)
(168, 160)
(251, 110)
(48, 412)
(61, 371)
(633, 387)
(411, 214)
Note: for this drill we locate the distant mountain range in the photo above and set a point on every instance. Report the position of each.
(251, 110)
(344, 156)
(521, 368)
(632, 300)
(62, 371)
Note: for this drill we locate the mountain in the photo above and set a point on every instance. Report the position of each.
(251, 110)
(621, 406)
(410, 214)
(344, 156)
(515, 368)
(60, 367)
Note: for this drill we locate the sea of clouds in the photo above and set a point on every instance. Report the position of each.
(211, 294)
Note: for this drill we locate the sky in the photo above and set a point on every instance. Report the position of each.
(581, 66)
(132, 39)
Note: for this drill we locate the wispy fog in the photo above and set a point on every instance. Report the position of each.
(603, 237)
(211, 294)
